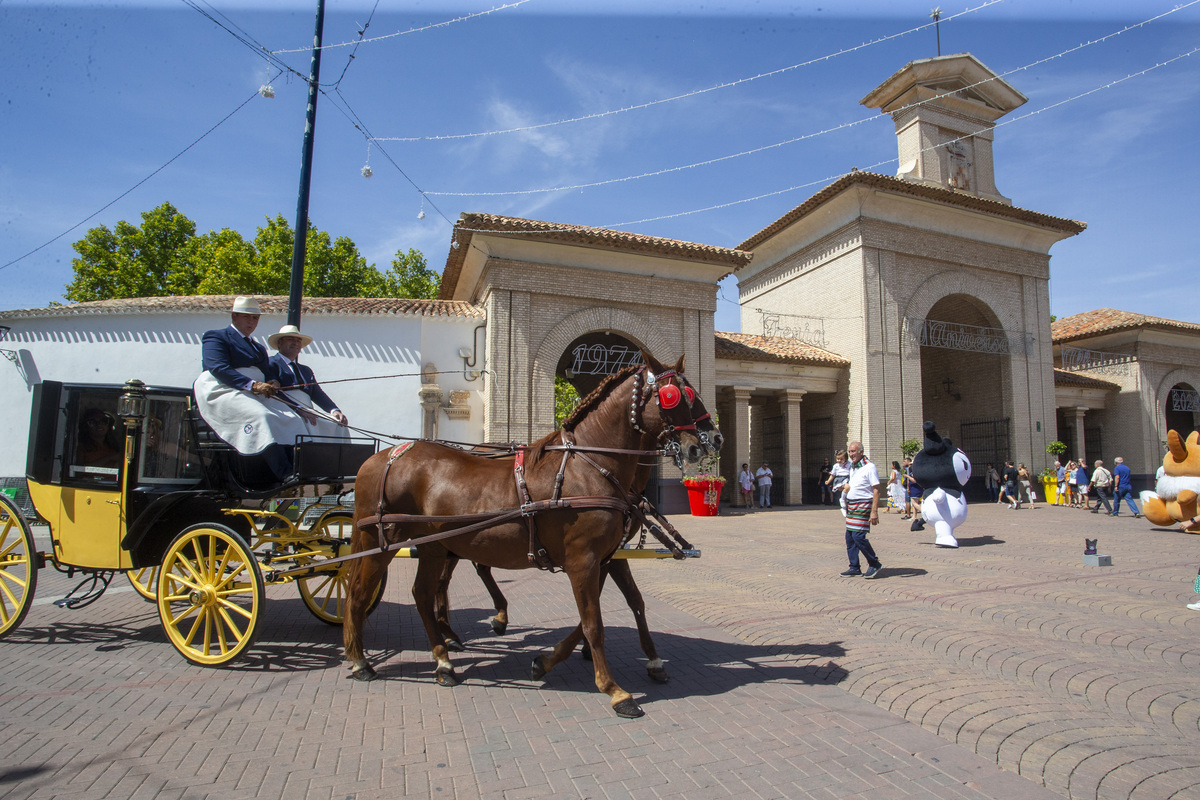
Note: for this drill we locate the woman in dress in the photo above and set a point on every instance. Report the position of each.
(896, 489)
(746, 484)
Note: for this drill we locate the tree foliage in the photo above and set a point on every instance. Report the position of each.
(164, 256)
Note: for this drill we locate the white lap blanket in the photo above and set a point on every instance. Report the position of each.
(250, 423)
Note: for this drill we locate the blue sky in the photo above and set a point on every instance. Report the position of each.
(99, 96)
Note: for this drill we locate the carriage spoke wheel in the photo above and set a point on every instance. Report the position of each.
(210, 594)
(18, 567)
(144, 582)
(324, 593)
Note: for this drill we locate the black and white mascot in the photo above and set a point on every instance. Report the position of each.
(942, 470)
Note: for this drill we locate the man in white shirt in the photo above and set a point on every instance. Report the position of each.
(862, 511)
(763, 476)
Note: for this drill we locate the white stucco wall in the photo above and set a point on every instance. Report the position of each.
(163, 349)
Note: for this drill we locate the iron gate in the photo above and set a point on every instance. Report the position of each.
(774, 452)
(818, 446)
(985, 441)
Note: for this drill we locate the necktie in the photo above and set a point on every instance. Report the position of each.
(296, 372)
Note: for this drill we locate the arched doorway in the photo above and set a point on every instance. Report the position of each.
(1181, 407)
(594, 356)
(966, 384)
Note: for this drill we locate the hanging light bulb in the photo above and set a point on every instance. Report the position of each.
(367, 171)
(267, 90)
(421, 213)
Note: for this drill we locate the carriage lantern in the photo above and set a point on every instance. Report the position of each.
(131, 406)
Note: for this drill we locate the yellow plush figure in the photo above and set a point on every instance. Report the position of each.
(1176, 492)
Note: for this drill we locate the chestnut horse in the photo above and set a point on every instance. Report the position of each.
(577, 504)
(710, 438)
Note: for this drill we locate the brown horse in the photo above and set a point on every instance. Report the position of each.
(580, 501)
(711, 439)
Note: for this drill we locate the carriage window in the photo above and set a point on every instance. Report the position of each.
(168, 453)
(97, 446)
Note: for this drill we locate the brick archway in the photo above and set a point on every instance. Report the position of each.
(636, 328)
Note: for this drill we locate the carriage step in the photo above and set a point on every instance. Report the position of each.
(87, 591)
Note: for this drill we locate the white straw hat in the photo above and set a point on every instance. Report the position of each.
(288, 330)
(246, 305)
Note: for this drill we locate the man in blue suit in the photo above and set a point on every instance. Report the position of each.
(227, 350)
(294, 376)
(236, 393)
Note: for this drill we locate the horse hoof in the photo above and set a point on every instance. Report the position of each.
(538, 670)
(364, 673)
(658, 675)
(455, 646)
(446, 677)
(586, 653)
(499, 627)
(628, 709)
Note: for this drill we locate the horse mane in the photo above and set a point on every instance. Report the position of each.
(586, 406)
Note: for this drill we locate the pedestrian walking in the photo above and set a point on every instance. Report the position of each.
(1123, 488)
(1011, 478)
(1101, 482)
(862, 511)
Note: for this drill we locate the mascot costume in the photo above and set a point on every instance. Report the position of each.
(1174, 497)
(942, 470)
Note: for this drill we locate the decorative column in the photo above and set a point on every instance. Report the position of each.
(431, 401)
(737, 434)
(793, 456)
(1080, 443)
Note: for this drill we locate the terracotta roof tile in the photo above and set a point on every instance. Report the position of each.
(1063, 377)
(1106, 320)
(936, 193)
(750, 347)
(384, 306)
(470, 223)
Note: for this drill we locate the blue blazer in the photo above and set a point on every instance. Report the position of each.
(225, 351)
(283, 368)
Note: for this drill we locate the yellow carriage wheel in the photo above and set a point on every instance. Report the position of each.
(210, 594)
(144, 582)
(324, 593)
(18, 566)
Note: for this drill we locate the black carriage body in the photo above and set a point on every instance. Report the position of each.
(180, 473)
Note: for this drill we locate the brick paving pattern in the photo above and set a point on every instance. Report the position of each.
(1003, 669)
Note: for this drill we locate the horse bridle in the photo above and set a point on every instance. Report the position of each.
(667, 395)
(707, 441)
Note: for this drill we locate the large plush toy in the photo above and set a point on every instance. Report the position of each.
(1175, 494)
(942, 470)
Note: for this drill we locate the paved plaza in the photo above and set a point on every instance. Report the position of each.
(1003, 669)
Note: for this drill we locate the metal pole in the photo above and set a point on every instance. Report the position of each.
(300, 239)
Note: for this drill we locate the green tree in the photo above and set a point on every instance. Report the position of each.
(409, 276)
(164, 256)
(566, 398)
(132, 261)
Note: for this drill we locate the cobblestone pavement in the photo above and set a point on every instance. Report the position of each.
(1003, 669)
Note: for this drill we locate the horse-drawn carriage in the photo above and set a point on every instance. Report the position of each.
(130, 479)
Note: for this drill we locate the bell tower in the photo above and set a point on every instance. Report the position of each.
(945, 109)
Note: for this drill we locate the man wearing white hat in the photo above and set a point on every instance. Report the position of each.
(298, 379)
(234, 393)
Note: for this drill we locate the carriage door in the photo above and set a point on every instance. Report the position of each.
(82, 498)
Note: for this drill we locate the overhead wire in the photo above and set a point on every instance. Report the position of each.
(429, 27)
(128, 191)
(795, 139)
(685, 95)
(832, 178)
